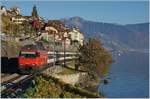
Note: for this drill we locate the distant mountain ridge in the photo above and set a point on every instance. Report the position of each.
(134, 36)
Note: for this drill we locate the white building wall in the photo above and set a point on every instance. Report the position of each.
(18, 20)
(76, 35)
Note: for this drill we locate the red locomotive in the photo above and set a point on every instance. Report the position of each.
(31, 60)
(34, 57)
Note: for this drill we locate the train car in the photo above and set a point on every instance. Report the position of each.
(59, 56)
(32, 60)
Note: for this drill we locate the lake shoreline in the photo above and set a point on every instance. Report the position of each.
(129, 76)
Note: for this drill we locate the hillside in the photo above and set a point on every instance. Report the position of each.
(128, 36)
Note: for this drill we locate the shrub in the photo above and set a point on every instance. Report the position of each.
(50, 87)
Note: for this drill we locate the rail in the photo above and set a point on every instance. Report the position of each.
(15, 87)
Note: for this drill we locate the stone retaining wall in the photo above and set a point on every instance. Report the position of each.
(69, 78)
(10, 49)
(72, 78)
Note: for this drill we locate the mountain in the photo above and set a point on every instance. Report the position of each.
(130, 36)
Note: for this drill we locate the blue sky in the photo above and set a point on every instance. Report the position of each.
(120, 12)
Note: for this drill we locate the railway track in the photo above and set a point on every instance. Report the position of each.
(14, 87)
(9, 77)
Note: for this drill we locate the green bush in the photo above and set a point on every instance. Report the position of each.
(50, 87)
(43, 88)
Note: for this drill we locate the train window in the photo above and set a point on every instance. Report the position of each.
(50, 56)
(28, 55)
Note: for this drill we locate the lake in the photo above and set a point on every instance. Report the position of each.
(128, 77)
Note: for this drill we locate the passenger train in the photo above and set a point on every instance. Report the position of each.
(31, 59)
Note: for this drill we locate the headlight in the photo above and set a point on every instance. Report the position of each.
(33, 64)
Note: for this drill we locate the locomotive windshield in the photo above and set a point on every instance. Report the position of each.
(28, 55)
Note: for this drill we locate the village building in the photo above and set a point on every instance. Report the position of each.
(3, 10)
(18, 19)
(57, 29)
(76, 36)
(59, 39)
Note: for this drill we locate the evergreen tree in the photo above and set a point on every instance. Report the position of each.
(34, 12)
